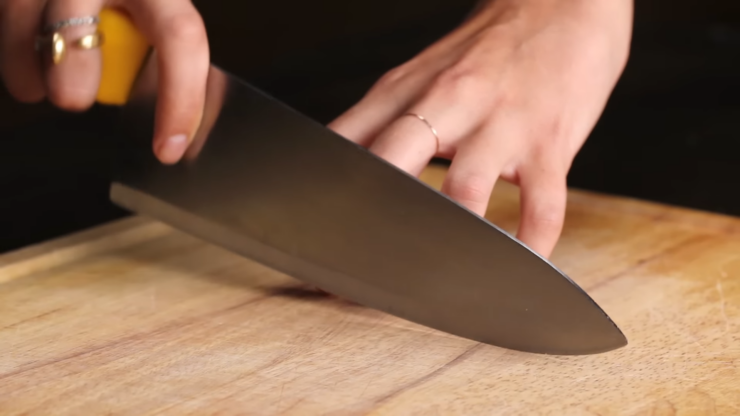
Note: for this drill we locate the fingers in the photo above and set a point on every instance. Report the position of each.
(175, 29)
(179, 37)
(480, 161)
(473, 174)
(408, 144)
(173, 26)
(20, 64)
(543, 203)
(217, 84)
(398, 90)
(362, 122)
(481, 157)
(450, 111)
(72, 84)
(386, 101)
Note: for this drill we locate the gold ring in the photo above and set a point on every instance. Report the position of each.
(93, 40)
(59, 44)
(434, 131)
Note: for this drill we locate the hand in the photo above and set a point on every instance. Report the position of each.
(512, 93)
(173, 27)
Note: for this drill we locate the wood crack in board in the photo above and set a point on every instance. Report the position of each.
(429, 376)
(133, 338)
(32, 318)
(650, 260)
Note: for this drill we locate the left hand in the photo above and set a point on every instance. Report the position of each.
(173, 27)
(512, 93)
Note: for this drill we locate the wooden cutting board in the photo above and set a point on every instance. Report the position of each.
(135, 318)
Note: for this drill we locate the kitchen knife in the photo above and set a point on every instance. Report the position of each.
(272, 185)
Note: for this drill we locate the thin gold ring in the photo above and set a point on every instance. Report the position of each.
(420, 117)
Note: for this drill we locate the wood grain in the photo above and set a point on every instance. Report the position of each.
(136, 318)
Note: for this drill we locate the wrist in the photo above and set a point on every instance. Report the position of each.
(607, 22)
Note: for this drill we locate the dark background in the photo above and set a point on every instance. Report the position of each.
(669, 133)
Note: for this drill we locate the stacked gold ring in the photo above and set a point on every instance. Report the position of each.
(59, 44)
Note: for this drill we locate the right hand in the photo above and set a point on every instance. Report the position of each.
(513, 92)
(173, 27)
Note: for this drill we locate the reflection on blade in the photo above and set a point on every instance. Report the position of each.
(272, 185)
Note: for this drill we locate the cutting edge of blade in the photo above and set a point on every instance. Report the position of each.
(363, 150)
(144, 204)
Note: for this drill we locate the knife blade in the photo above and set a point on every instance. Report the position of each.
(274, 186)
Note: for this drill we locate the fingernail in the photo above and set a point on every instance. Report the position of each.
(173, 148)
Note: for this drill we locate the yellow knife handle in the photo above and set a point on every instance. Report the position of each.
(124, 50)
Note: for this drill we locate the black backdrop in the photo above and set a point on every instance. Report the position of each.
(669, 133)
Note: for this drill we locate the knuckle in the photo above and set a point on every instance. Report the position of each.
(553, 127)
(551, 157)
(186, 27)
(462, 81)
(392, 78)
(70, 100)
(548, 216)
(548, 213)
(472, 189)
